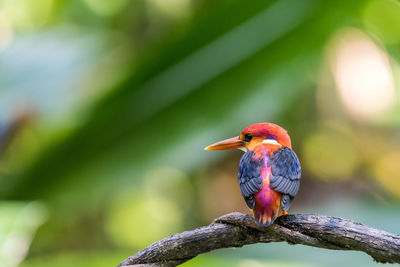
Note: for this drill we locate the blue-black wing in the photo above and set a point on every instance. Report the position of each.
(285, 175)
(250, 179)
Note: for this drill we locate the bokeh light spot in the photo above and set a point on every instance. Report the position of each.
(19, 222)
(330, 155)
(363, 75)
(139, 219)
(387, 172)
(172, 8)
(250, 263)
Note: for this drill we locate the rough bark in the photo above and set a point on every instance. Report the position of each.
(237, 229)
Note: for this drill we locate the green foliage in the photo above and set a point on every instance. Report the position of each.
(124, 96)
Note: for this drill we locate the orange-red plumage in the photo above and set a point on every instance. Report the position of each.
(267, 201)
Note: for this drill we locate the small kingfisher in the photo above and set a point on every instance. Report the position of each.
(269, 170)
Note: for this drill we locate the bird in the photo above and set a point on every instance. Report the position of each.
(269, 170)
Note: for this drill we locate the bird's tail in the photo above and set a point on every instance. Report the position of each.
(267, 206)
(264, 217)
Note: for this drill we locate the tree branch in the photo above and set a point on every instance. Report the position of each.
(237, 229)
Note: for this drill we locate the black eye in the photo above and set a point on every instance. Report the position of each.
(247, 137)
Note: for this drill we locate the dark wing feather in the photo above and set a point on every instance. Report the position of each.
(285, 175)
(250, 180)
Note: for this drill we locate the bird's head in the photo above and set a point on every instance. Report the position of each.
(254, 135)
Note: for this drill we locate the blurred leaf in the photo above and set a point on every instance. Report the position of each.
(18, 224)
(126, 95)
(179, 92)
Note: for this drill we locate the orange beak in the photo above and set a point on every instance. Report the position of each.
(230, 143)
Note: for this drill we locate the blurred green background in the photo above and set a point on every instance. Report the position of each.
(106, 106)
